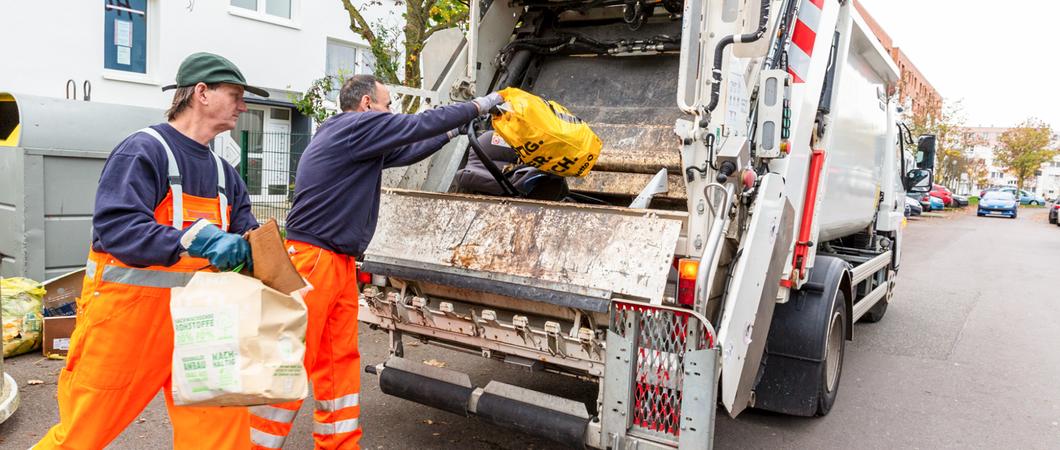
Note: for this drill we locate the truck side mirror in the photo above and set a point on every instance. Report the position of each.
(918, 181)
(925, 152)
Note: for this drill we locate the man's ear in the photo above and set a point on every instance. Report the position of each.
(366, 103)
(200, 93)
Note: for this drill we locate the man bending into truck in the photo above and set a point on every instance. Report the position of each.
(333, 217)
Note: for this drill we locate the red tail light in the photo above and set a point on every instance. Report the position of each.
(364, 277)
(687, 271)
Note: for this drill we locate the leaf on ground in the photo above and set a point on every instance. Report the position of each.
(434, 362)
(34, 382)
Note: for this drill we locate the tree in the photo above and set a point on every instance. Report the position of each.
(952, 143)
(422, 18)
(1023, 150)
(978, 173)
(396, 50)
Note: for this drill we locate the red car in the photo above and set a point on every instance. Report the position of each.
(940, 191)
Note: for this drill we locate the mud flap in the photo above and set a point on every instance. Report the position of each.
(752, 293)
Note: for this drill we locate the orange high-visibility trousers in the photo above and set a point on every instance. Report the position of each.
(331, 356)
(120, 357)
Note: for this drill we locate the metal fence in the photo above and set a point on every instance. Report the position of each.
(267, 164)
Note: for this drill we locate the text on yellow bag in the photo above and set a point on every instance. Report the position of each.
(546, 135)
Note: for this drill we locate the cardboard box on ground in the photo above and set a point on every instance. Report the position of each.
(60, 308)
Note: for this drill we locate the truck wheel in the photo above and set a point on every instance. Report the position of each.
(803, 361)
(833, 362)
(880, 308)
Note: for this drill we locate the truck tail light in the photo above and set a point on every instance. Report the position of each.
(364, 277)
(687, 270)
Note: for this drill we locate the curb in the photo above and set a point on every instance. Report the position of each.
(9, 400)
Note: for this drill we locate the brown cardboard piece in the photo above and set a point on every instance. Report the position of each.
(63, 291)
(57, 331)
(60, 305)
(272, 265)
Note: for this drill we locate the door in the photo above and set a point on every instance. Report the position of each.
(268, 148)
(276, 151)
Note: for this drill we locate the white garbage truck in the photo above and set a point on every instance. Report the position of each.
(745, 211)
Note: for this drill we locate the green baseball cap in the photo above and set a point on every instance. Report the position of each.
(209, 68)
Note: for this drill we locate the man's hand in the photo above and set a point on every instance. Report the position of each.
(225, 251)
(488, 102)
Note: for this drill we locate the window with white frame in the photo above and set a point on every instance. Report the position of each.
(282, 12)
(347, 59)
(125, 35)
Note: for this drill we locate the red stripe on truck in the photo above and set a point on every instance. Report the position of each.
(804, 37)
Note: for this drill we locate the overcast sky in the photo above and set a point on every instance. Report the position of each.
(1001, 59)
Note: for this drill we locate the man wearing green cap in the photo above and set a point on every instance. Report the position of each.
(166, 207)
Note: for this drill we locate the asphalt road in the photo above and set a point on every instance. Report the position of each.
(967, 357)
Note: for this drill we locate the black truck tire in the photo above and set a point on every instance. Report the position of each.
(803, 361)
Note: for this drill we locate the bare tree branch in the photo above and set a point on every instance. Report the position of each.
(357, 23)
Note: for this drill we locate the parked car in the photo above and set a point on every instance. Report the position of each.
(913, 208)
(940, 191)
(936, 204)
(1031, 198)
(960, 201)
(1054, 210)
(1026, 198)
(923, 199)
(998, 202)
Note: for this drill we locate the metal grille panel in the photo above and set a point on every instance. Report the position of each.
(662, 337)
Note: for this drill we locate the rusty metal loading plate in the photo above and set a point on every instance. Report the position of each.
(565, 254)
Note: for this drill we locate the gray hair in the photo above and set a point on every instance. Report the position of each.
(355, 88)
(182, 99)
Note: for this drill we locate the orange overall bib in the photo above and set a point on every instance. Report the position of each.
(331, 357)
(122, 348)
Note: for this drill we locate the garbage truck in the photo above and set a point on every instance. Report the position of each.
(745, 211)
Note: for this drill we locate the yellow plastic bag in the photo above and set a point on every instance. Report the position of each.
(546, 135)
(20, 300)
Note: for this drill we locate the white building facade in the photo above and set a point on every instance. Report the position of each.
(124, 51)
(987, 140)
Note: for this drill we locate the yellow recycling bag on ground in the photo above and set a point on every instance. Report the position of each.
(20, 301)
(547, 136)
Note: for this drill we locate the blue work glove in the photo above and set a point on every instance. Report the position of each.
(225, 251)
(488, 102)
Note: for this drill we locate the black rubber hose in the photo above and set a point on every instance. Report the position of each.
(425, 391)
(719, 53)
(533, 420)
(506, 184)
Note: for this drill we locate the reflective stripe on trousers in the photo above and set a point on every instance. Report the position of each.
(340, 427)
(343, 402)
(274, 414)
(263, 439)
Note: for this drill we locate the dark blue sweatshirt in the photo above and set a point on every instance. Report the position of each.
(134, 183)
(337, 187)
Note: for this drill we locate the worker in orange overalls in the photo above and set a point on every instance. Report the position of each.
(166, 207)
(332, 219)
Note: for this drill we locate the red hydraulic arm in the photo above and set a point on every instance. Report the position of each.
(803, 244)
